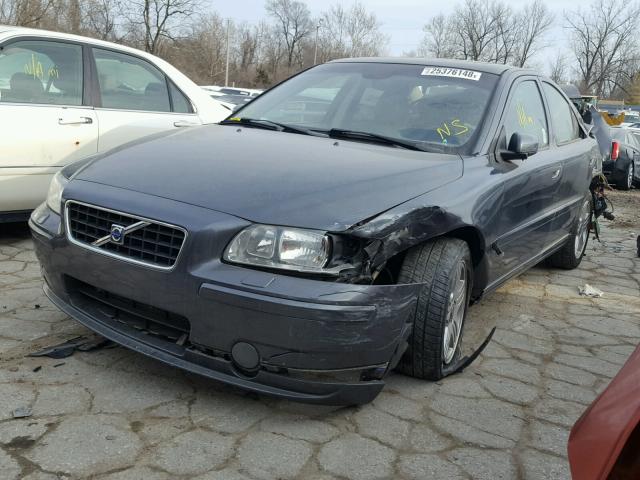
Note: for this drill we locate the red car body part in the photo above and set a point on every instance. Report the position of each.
(600, 435)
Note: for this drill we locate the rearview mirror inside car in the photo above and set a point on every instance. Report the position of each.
(521, 146)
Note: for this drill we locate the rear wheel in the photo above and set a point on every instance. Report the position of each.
(445, 269)
(570, 255)
(625, 181)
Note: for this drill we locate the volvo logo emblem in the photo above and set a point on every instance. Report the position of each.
(117, 234)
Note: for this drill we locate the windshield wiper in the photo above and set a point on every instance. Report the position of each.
(269, 125)
(374, 137)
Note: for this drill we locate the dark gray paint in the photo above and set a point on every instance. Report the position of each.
(214, 181)
(275, 177)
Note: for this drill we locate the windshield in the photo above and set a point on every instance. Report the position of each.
(425, 105)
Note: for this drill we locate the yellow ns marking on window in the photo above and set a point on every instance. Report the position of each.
(444, 131)
(455, 128)
(35, 69)
(523, 119)
(462, 129)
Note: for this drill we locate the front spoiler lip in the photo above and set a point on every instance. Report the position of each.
(266, 383)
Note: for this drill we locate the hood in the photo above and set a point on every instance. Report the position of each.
(275, 177)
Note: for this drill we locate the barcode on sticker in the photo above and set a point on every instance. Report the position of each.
(451, 72)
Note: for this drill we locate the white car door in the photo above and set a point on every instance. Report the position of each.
(45, 121)
(136, 99)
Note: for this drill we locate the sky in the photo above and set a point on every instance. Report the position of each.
(402, 20)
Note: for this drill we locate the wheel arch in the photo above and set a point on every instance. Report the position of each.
(474, 239)
(477, 246)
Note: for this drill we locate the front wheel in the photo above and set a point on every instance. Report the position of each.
(444, 268)
(570, 255)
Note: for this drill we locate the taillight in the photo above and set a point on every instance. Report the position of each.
(615, 150)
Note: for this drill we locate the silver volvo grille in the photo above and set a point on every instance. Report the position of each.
(131, 238)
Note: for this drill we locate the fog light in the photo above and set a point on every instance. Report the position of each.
(245, 356)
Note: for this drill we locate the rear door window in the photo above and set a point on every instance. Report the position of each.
(181, 104)
(41, 72)
(129, 83)
(563, 122)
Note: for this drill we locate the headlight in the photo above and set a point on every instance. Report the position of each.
(280, 247)
(54, 196)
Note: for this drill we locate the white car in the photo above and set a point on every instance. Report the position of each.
(65, 97)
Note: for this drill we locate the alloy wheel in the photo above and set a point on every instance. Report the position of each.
(582, 235)
(455, 313)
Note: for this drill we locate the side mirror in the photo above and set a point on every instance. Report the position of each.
(521, 146)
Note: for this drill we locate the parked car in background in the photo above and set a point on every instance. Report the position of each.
(248, 92)
(333, 229)
(64, 98)
(622, 166)
(630, 117)
(237, 100)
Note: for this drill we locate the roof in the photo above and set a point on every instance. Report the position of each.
(495, 68)
(6, 28)
(10, 30)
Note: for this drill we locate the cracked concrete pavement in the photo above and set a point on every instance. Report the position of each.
(114, 414)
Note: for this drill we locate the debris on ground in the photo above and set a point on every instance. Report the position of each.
(37, 369)
(81, 344)
(468, 360)
(22, 412)
(589, 291)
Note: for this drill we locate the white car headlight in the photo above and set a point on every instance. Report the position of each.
(280, 247)
(54, 196)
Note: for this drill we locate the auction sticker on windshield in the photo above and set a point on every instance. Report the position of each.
(451, 72)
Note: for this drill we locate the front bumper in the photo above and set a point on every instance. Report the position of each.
(317, 341)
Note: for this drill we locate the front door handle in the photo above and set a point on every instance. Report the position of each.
(185, 124)
(75, 121)
(556, 174)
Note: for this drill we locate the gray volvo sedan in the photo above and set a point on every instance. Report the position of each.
(332, 230)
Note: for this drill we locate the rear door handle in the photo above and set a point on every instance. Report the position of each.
(556, 173)
(185, 124)
(75, 121)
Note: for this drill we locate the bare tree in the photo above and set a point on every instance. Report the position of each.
(101, 18)
(533, 22)
(352, 32)
(25, 13)
(159, 20)
(558, 69)
(604, 43)
(294, 22)
(488, 30)
(476, 29)
(439, 38)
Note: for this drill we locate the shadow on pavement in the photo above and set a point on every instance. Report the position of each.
(14, 231)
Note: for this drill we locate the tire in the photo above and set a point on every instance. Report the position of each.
(625, 180)
(441, 266)
(571, 253)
